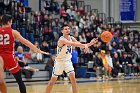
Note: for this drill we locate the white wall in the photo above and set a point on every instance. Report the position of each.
(138, 11)
(101, 5)
(95, 4)
(34, 4)
(115, 9)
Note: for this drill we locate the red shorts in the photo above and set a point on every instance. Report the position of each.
(10, 63)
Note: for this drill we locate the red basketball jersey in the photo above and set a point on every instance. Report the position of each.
(7, 50)
(6, 41)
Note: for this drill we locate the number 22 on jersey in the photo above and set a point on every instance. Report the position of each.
(4, 39)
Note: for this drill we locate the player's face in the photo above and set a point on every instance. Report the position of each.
(66, 30)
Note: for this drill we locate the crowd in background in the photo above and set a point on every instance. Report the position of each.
(43, 29)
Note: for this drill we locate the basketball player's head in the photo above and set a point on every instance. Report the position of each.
(65, 29)
(6, 20)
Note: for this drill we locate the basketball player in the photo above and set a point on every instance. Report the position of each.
(63, 59)
(7, 57)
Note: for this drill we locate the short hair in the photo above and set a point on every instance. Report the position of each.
(64, 25)
(5, 19)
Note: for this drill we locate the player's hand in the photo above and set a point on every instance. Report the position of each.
(42, 52)
(86, 46)
(86, 49)
(94, 41)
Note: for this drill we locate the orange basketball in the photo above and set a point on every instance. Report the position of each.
(106, 36)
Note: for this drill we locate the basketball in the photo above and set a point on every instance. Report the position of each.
(106, 36)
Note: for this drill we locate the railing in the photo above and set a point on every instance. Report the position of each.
(87, 8)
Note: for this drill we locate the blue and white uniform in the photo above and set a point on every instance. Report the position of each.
(63, 60)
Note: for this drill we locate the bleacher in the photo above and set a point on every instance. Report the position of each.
(42, 74)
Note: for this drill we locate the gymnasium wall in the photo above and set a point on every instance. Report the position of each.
(34, 4)
(101, 5)
(138, 11)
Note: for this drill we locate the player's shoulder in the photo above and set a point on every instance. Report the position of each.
(61, 38)
(71, 37)
(14, 31)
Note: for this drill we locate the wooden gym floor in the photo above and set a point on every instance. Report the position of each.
(127, 85)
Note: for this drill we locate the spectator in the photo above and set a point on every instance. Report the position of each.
(117, 68)
(77, 17)
(36, 56)
(82, 38)
(63, 13)
(71, 12)
(49, 65)
(132, 67)
(65, 4)
(125, 44)
(74, 59)
(98, 65)
(56, 6)
(47, 5)
(124, 62)
(27, 70)
(107, 67)
(45, 47)
(109, 62)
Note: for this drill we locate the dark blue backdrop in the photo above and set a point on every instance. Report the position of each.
(25, 2)
(127, 10)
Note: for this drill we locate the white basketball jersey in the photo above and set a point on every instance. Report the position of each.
(64, 52)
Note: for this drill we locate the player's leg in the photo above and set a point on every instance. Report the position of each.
(73, 81)
(70, 71)
(3, 88)
(14, 68)
(51, 84)
(21, 84)
(57, 70)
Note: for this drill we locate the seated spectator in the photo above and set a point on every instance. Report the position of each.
(98, 66)
(138, 58)
(124, 62)
(49, 65)
(45, 47)
(117, 68)
(47, 5)
(82, 38)
(107, 65)
(56, 6)
(132, 67)
(63, 13)
(74, 59)
(36, 56)
(109, 61)
(27, 70)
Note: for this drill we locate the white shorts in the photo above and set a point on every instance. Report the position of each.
(59, 67)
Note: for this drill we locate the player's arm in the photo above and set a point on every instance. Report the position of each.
(92, 42)
(23, 59)
(1, 70)
(64, 41)
(74, 40)
(26, 42)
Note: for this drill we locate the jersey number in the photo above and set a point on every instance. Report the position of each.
(68, 50)
(4, 39)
